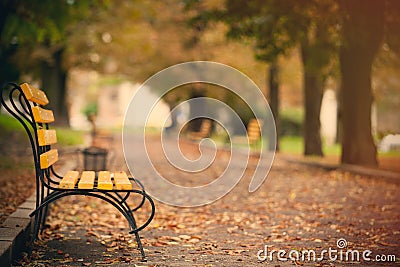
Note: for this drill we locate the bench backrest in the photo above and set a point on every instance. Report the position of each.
(26, 103)
(254, 130)
(205, 128)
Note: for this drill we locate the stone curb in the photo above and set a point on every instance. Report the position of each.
(15, 231)
(388, 176)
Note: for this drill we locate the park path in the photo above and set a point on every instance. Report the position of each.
(297, 208)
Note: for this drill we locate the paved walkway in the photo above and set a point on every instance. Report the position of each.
(298, 208)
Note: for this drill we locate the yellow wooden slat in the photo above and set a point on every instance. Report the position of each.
(121, 181)
(254, 127)
(69, 180)
(254, 130)
(48, 158)
(104, 181)
(87, 180)
(46, 137)
(41, 115)
(34, 95)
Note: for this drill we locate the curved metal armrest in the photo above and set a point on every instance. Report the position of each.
(138, 183)
(149, 219)
(55, 174)
(76, 151)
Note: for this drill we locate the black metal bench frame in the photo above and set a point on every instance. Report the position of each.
(47, 180)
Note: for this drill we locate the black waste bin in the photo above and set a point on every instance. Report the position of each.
(95, 158)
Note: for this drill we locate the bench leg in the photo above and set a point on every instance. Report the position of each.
(120, 204)
(45, 210)
(140, 247)
(134, 226)
(34, 233)
(44, 218)
(131, 218)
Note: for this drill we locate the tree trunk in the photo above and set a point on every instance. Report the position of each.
(54, 79)
(274, 98)
(362, 35)
(197, 107)
(313, 92)
(8, 71)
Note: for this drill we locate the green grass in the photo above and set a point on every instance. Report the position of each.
(390, 154)
(69, 137)
(291, 144)
(295, 145)
(219, 138)
(9, 124)
(65, 136)
(294, 114)
(8, 163)
(110, 80)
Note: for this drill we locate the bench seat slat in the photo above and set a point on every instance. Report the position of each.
(87, 180)
(69, 180)
(121, 181)
(41, 115)
(34, 95)
(46, 137)
(104, 181)
(48, 158)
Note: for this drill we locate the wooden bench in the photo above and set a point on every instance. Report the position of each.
(254, 130)
(26, 103)
(253, 134)
(204, 131)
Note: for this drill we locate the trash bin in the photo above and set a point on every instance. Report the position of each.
(95, 158)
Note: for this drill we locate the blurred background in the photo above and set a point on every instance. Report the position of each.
(330, 70)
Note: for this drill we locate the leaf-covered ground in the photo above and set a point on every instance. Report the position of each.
(298, 208)
(17, 178)
(17, 183)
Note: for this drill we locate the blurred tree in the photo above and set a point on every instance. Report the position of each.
(392, 25)
(274, 98)
(365, 26)
(277, 26)
(8, 72)
(136, 39)
(386, 90)
(120, 40)
(34, 37)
